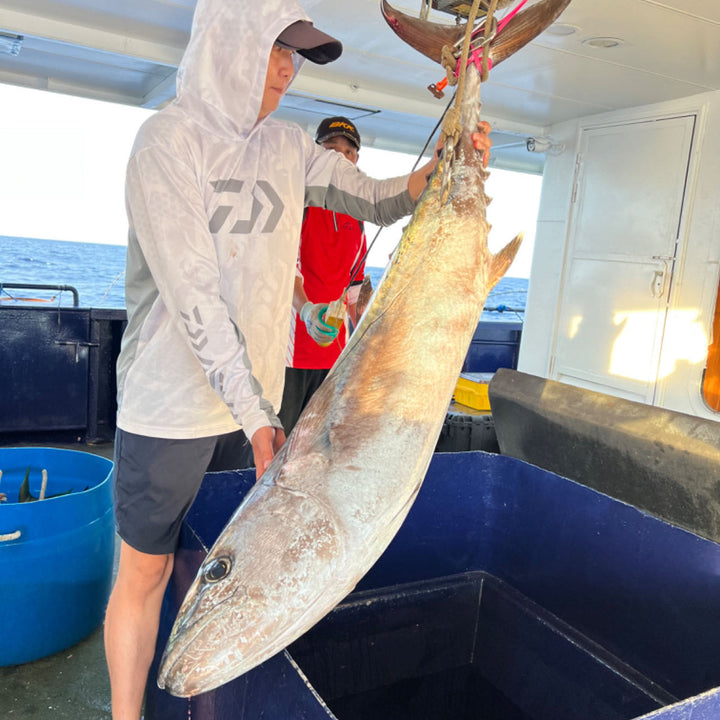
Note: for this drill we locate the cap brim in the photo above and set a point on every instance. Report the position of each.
(338, 133)
(311, 43)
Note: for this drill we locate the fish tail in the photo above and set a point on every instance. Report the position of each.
(425, 36)
(525, 27)
(429, 38)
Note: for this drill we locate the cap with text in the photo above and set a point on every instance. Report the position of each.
(334, 126)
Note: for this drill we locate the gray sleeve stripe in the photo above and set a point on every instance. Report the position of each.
(385, 212)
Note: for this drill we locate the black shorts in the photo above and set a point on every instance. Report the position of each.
(155, 481)
(300, 385)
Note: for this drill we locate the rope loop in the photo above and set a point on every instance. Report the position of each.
(490, 33)
(478, 51)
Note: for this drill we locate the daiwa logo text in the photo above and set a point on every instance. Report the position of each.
(263, 196)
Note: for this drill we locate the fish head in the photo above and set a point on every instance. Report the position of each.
(254, 588)
(195, 656)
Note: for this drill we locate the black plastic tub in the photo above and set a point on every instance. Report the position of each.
(461, 648)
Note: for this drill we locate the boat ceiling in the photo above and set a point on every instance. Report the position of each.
(127, 51)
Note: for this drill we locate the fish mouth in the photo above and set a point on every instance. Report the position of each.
(177, 673)
(217, 637)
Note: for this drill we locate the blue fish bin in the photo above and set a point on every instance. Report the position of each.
(509, 593)
(56, 553)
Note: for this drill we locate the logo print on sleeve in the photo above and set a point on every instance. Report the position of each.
(196, 331)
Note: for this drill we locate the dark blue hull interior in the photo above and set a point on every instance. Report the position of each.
(509, 592)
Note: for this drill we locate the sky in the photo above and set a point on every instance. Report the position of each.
(63, 172)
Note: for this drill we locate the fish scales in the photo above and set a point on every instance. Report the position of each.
(337, 492)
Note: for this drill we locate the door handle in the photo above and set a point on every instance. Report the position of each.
(77, 344)
(657, 284)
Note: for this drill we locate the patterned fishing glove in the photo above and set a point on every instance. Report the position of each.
(313, 315)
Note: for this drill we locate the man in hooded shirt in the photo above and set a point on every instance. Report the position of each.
(215, 193)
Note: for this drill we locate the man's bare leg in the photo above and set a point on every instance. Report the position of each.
(131, 626)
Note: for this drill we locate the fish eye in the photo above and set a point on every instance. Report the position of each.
(217, 570)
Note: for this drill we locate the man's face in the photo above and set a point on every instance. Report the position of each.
(279, 74)
(341, 144)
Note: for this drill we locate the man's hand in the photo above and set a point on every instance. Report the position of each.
(313, 315)
(266, 441)
(481, 140)
(419, 179)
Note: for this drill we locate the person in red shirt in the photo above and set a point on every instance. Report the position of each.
(331, 259)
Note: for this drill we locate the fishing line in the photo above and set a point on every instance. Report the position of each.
(110, 287)
(491, 29)
(357, 264)
(361, 262)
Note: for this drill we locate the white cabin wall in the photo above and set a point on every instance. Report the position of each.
(548, 253)
(694, 291)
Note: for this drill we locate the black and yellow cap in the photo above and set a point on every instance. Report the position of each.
(334, 126)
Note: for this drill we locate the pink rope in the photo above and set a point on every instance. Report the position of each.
(510, 16)
(476, 55)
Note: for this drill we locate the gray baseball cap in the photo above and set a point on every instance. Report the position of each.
(311, 43)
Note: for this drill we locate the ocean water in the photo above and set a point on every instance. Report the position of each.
(98, 273)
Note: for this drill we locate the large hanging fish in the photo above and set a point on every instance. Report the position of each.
(339, 489)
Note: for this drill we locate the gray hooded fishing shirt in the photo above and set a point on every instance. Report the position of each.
(215, 202)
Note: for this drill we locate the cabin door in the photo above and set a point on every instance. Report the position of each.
(622, 249)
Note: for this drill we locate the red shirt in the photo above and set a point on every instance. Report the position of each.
(330, 246)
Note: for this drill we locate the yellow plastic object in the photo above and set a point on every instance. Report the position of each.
(472, 390)
(334, 316)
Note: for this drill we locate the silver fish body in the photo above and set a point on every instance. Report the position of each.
(341, 486)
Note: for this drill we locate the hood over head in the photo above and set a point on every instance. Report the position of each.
(221, 76)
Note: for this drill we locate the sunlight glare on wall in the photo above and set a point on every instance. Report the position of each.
(635, 351)
(574, 327)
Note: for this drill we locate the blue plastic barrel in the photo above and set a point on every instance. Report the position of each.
(56, 554)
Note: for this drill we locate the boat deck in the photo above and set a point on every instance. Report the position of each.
(70, 685)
